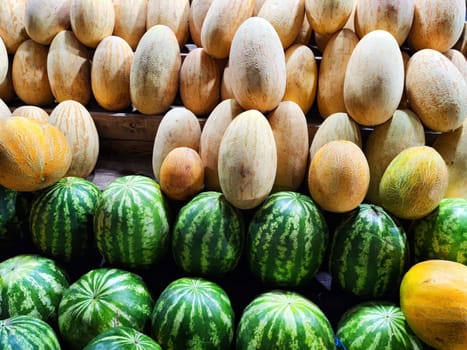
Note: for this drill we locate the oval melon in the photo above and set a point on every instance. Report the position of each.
(374, 79)
(220, 24)
(459, 60)
(290, 130)
(226, 84)
(5, 111)
(154, 74)
(386, 141)
(336, 55)
(110, 73)
(461, 44)
(12, 29)
(32, 112)
(198, 10)
(394, 16)
(247, 160)
(43, 19)
(328, 16)
(437, 24)
(29, 74)
(257, 65)
(414, 182)
(179, 127)
(130, 20)
(4, 61)
(7, 92)
(433, 298)
(69, 68)
(436, 90)
(305, 34)
(338, 176)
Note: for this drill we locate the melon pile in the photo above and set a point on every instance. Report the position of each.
(296, 139)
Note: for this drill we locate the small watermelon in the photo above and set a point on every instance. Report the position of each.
(283, 320)
(442, 234)
(101, 299)
(193, 313)
(208, 235)
(376, 325)
(122, 338)
(26, 332)
(369, 253)
(286, 240)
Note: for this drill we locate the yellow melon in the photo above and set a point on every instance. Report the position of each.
(12, 29)
(130, 20)
(328, 16)
(198, 10)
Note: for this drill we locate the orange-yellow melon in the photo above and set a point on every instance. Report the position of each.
(328, 16)
(414, 183)
(33, 154)
(12, 29)
(32, 112)
(77, 124)
(338, 176)
(69, 68)
(198, 10)
(433, 299)
(130, 20)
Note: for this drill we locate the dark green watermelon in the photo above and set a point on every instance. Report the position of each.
(122, 338)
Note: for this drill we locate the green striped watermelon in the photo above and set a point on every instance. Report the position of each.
(122, 338)
(208, 235)
(369, 253)
(286, 240)
(61, 218)
(283, 320)
(193, 313)
(376, 325)
(131, 222)
(26, 332)
(14, 215)
(31, 285)
(442, 234)
(101, 299)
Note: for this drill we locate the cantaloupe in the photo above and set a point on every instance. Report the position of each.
(130, 20)
(12, 29)
(328, 16)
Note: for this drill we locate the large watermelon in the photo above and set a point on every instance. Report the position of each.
(61, 218)
(442, 234)
(369, 253)
(376, 325)
(26, 332)
(208, 235)
(122, 338)
(31, 285)
(131, 222)
(193, 313)
(283, 320)
(100, 299)
(286, 240)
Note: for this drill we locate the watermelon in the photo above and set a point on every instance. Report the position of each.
(208, 235)
(193, 313)
(31, 285)
(286, 240)
(61, 218)
(26, 332)
(280, 319)
(101, 299)
(131, 223)
(369, 253)
(376, 325)
(442, 234)
(122, 338)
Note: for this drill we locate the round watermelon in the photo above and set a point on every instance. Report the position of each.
(131, 223)
(208, 235)
(31, 285)
(122, 338)
(287, 239)
(61, 218)
(193, 313)
(376, 325)
(283, 320)
(369, 253)
(101, 299)
(26, 332)
(442, 234)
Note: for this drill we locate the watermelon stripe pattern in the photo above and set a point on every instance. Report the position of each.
(369, 253)
(7, 210)
(27, 332)
(100, 299)
(376, 326)
(31, 285)
(14, 214)
(193, 313)
(122, 338)
(208, 235)
(286, 240)
(131, 222)
(283, 320)
(61, 218)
